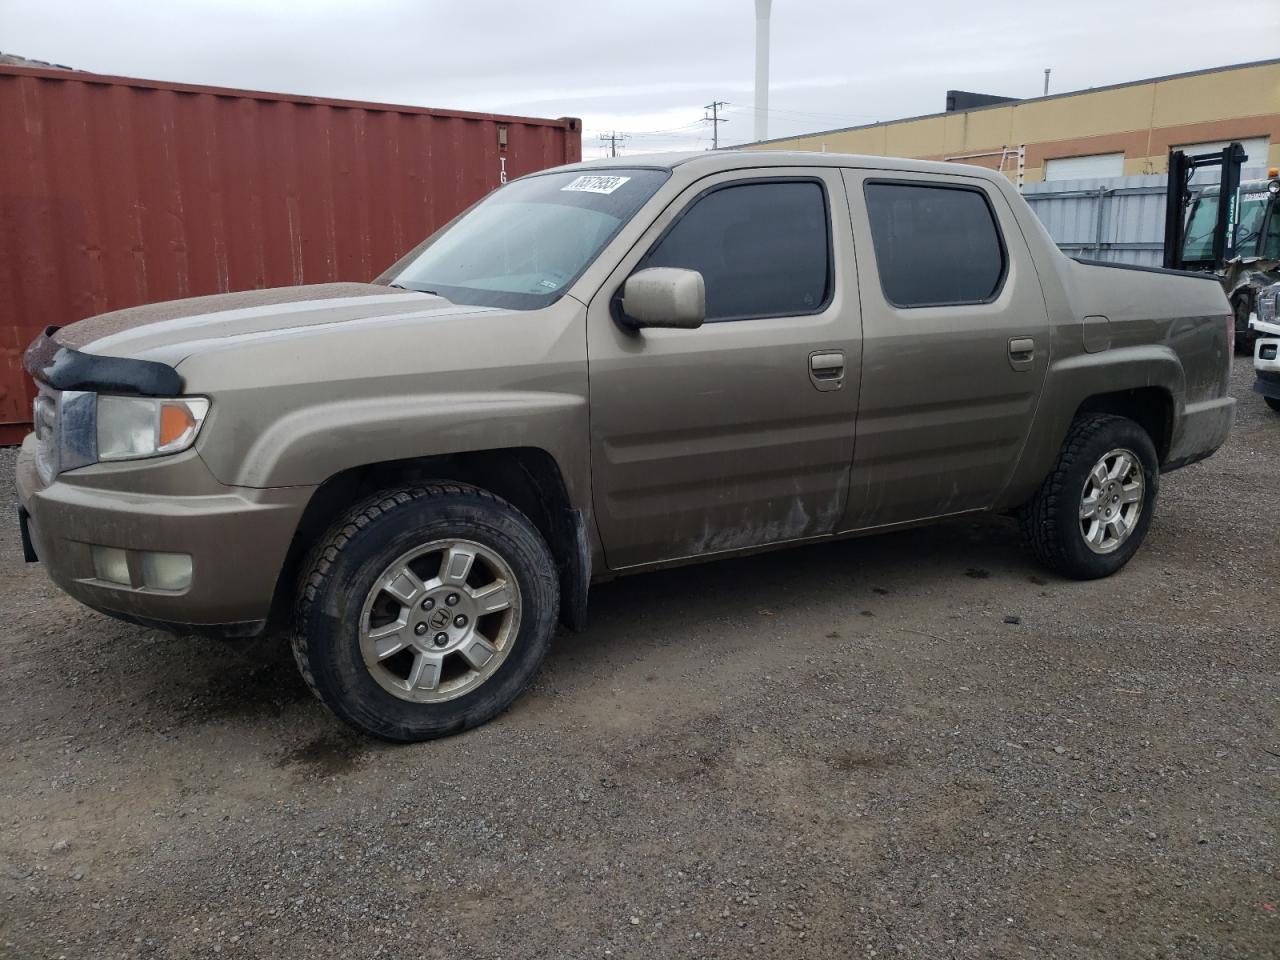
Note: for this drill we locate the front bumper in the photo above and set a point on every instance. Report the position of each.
(238, 538)
(1266, 364)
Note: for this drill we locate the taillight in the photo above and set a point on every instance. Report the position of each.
(1231, 337)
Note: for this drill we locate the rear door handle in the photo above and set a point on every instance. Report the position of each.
(826, 369)
(1022, 353)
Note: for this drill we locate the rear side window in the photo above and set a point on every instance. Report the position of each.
(935, 246)
(763, 249)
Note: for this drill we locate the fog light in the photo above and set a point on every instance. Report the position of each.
(112, 565)
(166, 571)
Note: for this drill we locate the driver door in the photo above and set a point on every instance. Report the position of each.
(739, 433)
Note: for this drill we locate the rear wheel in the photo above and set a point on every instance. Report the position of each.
(426, 612)
(1093, 510)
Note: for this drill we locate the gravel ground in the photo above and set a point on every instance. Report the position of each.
(845, 750)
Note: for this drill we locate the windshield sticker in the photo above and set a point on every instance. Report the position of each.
(595, 184)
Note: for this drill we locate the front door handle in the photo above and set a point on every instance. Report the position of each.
(826, 369)
(1022, 353)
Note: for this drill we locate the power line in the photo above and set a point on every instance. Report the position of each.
(715, 120)
(655, 133)
(613, 139)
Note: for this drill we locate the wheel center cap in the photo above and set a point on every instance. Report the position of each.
(440, 618)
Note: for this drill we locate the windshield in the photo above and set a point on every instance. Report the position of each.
(525, 243)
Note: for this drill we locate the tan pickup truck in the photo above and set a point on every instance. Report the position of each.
(599, 370)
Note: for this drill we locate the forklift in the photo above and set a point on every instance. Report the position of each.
(1230, 229)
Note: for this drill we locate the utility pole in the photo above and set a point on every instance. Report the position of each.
(715, 120)
(1046, 81)
(763, 8)
(613, 139)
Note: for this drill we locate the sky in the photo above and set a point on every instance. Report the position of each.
(643, 69)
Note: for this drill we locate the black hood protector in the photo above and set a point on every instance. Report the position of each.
(65, 368)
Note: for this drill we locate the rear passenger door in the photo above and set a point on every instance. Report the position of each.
(738, 433)
(955, 348)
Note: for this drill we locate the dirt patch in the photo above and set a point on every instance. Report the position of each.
(328, 755)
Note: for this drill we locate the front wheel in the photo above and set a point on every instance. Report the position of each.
(1273, 403)
(427, 611)
(1093, 510)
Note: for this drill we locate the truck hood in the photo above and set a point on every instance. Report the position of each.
(170, 332)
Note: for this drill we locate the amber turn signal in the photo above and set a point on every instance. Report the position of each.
(175, 422)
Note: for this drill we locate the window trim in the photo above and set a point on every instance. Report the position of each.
(830, 291)
(936, 185)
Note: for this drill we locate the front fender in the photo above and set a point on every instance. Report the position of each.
(309, 445)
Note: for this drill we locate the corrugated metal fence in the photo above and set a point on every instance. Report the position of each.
(115, 192)
(1118, 219)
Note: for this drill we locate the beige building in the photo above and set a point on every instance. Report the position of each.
(1124, 129)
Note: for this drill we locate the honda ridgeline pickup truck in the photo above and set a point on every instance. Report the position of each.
(599, 370)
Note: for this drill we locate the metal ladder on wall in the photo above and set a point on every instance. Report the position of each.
(1015, 157)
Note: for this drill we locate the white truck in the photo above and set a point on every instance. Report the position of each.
(1266, 348)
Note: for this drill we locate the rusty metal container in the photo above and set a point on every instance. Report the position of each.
(116, 191)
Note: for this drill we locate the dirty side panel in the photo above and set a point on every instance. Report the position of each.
(718, 439)
(946, 404)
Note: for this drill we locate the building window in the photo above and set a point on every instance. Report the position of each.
(1255, 148)
(1082, 168)
(935, 246)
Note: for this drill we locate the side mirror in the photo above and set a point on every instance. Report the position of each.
(665, 297)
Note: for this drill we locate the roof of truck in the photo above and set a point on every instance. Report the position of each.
(713, 161)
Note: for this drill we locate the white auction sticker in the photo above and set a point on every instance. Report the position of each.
(596, 184)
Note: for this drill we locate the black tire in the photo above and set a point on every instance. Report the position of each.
(1273, 403)
(1050, 521)
(343, 570)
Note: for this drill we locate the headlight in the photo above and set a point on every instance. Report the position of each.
(133, 427)
(1268, 301)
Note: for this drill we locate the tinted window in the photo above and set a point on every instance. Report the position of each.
(763, 249)
(934, 245)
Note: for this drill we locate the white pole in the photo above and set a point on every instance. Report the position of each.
(762, 69)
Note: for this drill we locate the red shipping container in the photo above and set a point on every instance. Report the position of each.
(116, 192)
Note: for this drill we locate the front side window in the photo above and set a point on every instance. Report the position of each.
(763, 249)
(525, 243)
(935, 246)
